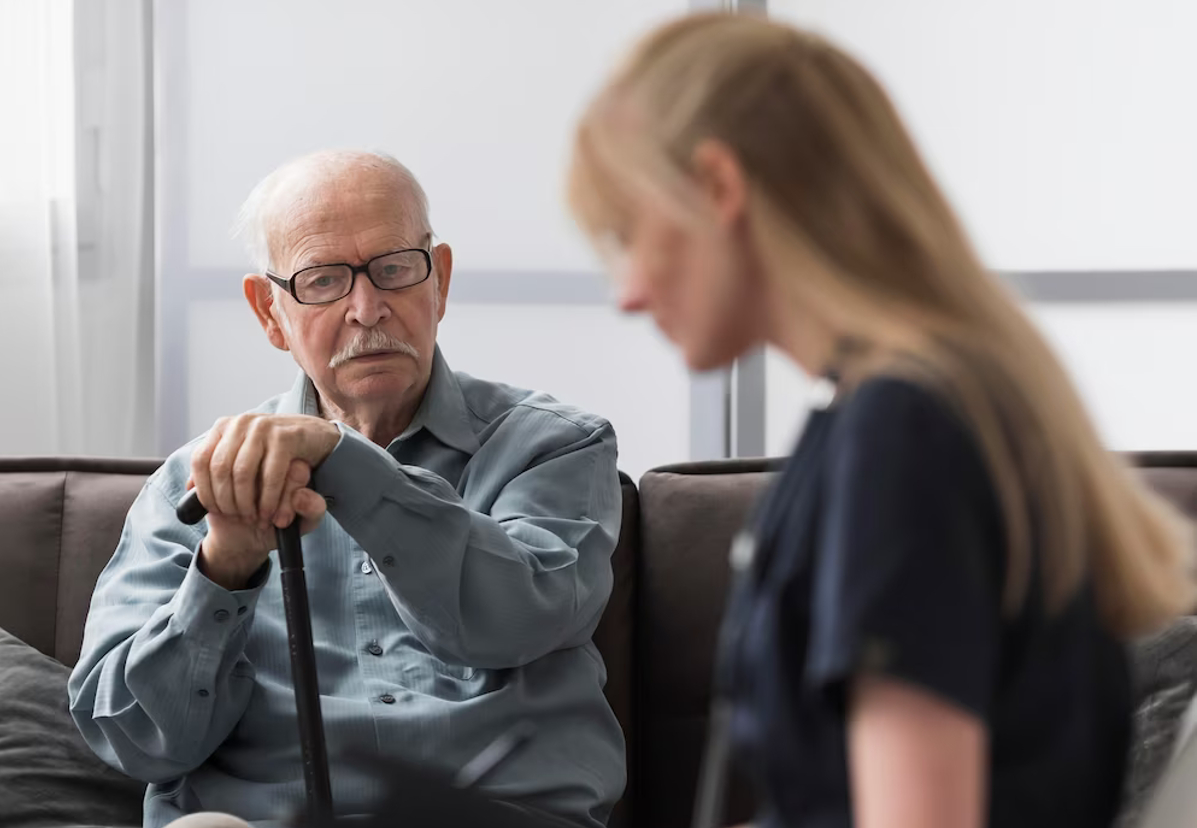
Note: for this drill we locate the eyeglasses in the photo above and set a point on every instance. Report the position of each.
(322, 284)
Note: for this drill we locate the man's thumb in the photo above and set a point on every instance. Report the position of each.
(308, 503)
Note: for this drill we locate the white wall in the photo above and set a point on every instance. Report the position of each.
(1132, 366)
(618, 366)
(1061, 129)
(787, 388)
(1062, 132)
(479, 99)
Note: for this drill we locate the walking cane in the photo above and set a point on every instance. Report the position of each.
(303, 661)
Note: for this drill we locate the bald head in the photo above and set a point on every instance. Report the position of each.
(313, 184)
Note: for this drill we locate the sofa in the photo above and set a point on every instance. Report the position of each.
(60, 519)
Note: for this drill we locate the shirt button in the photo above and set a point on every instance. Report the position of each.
(366, 568)
(374, 649)
(221, 616)
(242, 610)
(386, 698)
(389, 560)
(203, 694)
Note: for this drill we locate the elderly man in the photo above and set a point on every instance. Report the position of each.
(455, 580)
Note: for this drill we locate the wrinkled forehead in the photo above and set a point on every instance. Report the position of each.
(345, 215)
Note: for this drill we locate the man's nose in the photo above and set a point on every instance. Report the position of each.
(366, 305)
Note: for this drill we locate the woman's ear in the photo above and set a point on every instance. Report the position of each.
(720, 176)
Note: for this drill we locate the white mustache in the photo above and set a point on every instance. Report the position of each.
(371, 341)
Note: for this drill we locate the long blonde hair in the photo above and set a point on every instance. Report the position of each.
(843, 207)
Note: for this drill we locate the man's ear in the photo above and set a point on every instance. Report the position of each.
(721, 178)
(442, 269)
(260, 295)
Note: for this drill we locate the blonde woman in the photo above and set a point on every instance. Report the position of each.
(929, 634)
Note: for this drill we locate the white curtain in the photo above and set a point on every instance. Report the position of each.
(76, 253)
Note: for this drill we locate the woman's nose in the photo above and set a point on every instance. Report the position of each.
(631, 291)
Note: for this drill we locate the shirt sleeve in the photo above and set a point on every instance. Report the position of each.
(162, 678)
(909, 562)
(500, 583)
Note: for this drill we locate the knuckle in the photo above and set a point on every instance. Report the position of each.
(239, 423)
(219, 466)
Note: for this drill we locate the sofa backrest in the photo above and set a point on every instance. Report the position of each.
(688, 516)
(61, 518)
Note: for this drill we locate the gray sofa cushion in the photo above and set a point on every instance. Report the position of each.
(1165, 670)
(49, 778)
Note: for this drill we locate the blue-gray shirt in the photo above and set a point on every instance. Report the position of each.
(455, 585)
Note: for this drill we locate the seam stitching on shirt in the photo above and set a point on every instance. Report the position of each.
(536, 407)
(584, 429)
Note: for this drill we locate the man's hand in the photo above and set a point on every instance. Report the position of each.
(252, 472)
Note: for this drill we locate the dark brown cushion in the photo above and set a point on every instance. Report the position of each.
(689, 515)
(48, 775)
(30, 523)
(60, 520)
(93, 516)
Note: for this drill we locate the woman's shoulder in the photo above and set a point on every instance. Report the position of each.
(894, 413)
(903, 445)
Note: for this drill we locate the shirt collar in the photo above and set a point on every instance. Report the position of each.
(442, 412)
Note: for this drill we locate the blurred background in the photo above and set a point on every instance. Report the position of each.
(1063, 131)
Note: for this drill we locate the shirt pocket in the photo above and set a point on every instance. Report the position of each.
(424, 673)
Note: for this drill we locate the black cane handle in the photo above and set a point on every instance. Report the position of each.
(190, 510)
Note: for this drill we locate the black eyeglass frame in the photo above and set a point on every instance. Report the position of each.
(289, 284)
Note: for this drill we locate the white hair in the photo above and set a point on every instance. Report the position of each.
(259, 209)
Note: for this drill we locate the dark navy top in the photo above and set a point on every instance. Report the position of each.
(881, 549)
